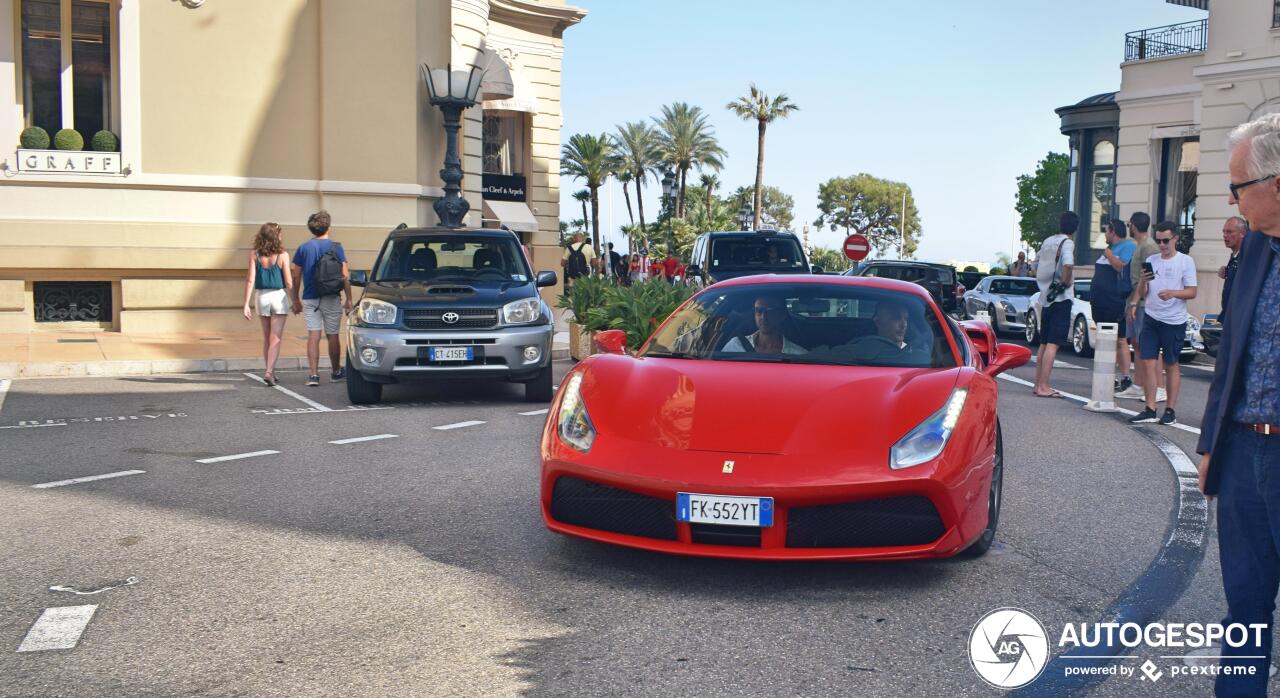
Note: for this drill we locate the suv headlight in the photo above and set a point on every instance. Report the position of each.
(925, 442)
(573, 424)
(375, 312)
(522, 312)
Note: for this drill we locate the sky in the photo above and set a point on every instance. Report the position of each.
(954, 98)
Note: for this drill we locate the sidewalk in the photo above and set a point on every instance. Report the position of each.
(45, 354)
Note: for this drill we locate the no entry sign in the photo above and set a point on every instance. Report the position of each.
(857, 247)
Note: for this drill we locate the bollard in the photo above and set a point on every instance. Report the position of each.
(983, 316)
(1104, 369)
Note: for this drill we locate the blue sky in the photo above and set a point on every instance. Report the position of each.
(954, 98)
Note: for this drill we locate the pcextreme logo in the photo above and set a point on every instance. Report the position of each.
(1008, 648)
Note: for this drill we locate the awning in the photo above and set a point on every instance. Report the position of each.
(496, 82)
(523, 97)
(513, 214)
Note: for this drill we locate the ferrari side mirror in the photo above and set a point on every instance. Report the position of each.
(612, 341)
(1007, 356)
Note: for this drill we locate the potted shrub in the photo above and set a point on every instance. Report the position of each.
(68, 139)
(638, 309)
(105, 142)
(34, 138)
(584, 294)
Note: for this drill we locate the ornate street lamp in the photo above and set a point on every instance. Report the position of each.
(745, 216)
(453, 91)
(669, 202)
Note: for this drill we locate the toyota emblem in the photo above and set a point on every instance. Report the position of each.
(450, 317)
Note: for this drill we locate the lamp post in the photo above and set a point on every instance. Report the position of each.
(668, 202)
(453, 91)
(745, 216)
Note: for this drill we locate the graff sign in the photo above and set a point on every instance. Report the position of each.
(68, 162)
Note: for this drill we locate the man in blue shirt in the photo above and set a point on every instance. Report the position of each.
(1110, 291)
(322, 309)
(1240, 435)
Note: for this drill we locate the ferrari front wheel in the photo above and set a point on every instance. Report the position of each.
(994, 495)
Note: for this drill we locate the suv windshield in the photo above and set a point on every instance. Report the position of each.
(806, 324)
(756, 252)
(1014, 287)
(460, 257)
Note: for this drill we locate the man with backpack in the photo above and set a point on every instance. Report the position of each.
(321, 263)
(578, 260)
(1111, 290)
(1054, 277)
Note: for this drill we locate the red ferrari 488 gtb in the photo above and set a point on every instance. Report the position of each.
(785, 418)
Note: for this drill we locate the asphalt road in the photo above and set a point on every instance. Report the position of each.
(417, 563)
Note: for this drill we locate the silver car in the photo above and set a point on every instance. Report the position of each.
(1003, 298)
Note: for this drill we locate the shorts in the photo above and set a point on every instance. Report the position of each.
(1161, 337)
(1135, 328)
(324, 313)
(1055, 320)
(272, 301)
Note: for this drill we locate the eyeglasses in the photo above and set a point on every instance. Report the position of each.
(770, 309)
(1235, 188)
(1163, 240)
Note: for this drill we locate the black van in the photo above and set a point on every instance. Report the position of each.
(718, 256)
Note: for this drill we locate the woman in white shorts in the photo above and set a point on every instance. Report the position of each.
(270, 278)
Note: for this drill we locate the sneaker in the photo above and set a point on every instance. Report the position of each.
(1146, 416)
(1123, 383)
(1133, 392)
(1160, 395)
(338, 375)
(313, 380)
(1168, 418)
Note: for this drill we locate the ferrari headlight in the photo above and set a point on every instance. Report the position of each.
(375, 312)
(925, 442)
(522, 312)
(573, 423)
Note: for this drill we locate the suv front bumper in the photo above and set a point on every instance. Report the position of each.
(501, 353)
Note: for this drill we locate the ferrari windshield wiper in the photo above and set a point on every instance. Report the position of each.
(758, 358)
(671, 355)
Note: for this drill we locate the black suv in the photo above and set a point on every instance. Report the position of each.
(719, 256)
(450, 303)
(939, 279)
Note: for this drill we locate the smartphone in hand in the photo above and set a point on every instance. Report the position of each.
(1148, 271)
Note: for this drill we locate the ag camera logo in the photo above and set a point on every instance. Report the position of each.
(1008, 648)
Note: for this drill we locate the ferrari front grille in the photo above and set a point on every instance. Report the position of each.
(875, 523)
(592, 505)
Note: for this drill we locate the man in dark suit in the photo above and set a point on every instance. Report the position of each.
(1240, 435)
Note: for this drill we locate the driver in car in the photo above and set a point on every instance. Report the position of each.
(771, 315)
(889, 343)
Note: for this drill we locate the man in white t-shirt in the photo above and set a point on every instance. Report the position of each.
(1167, 289)
(1054, 269)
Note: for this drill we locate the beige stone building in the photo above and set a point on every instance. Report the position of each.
(1158, 145)
(234, 112)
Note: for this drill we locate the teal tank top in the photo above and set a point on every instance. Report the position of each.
(268, 278)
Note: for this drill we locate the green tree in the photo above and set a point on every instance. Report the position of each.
(1003, 263)
(710, 212)
(709, 183)
(757, 106)
(779, 207)
(871, 206)
(830, 260)
(583, 197)
(687, 140)
(591, 159)
(1042, 197)
(636, 144)
(624, 175)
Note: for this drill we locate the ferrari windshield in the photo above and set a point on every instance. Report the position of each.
(806, 324)
(1014, 287)
(460, 258)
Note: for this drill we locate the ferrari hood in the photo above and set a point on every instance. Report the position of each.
(764, 408)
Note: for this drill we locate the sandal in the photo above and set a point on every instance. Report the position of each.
(1052, 394)
(269, 380)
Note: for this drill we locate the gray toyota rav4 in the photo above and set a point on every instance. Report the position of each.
(450, 303)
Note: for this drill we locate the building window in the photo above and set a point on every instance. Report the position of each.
(1102, 192)
(504, 143)
(1180, 172)
(73, 301)
(68, 79)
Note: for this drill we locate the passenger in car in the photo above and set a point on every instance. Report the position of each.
(891, 320)
(769, 338)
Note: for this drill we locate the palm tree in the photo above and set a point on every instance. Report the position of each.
(636, 145)
(589, 158)
(709, 183)
(686, 141)
(583, 196)
(622, 174)
(757, 105)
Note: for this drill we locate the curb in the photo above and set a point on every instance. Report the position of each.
(109, 369)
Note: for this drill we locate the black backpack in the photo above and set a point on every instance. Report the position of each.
(577, 265)
(328, 272)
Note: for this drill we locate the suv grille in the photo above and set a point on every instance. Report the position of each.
(468, 319)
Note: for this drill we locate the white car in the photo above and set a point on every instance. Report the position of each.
(1083, 333)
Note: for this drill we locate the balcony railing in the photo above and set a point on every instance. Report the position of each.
(1173, 40)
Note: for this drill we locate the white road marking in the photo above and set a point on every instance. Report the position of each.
(91, 478)
(1085, 400)
(535, 412)
(34, 426)
(130, 581)
(57, 628)
(358, 439)
(4, 390)
(308, 410)
(238, 456)
(1198, 367)
(304, 400)
(458, 425)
